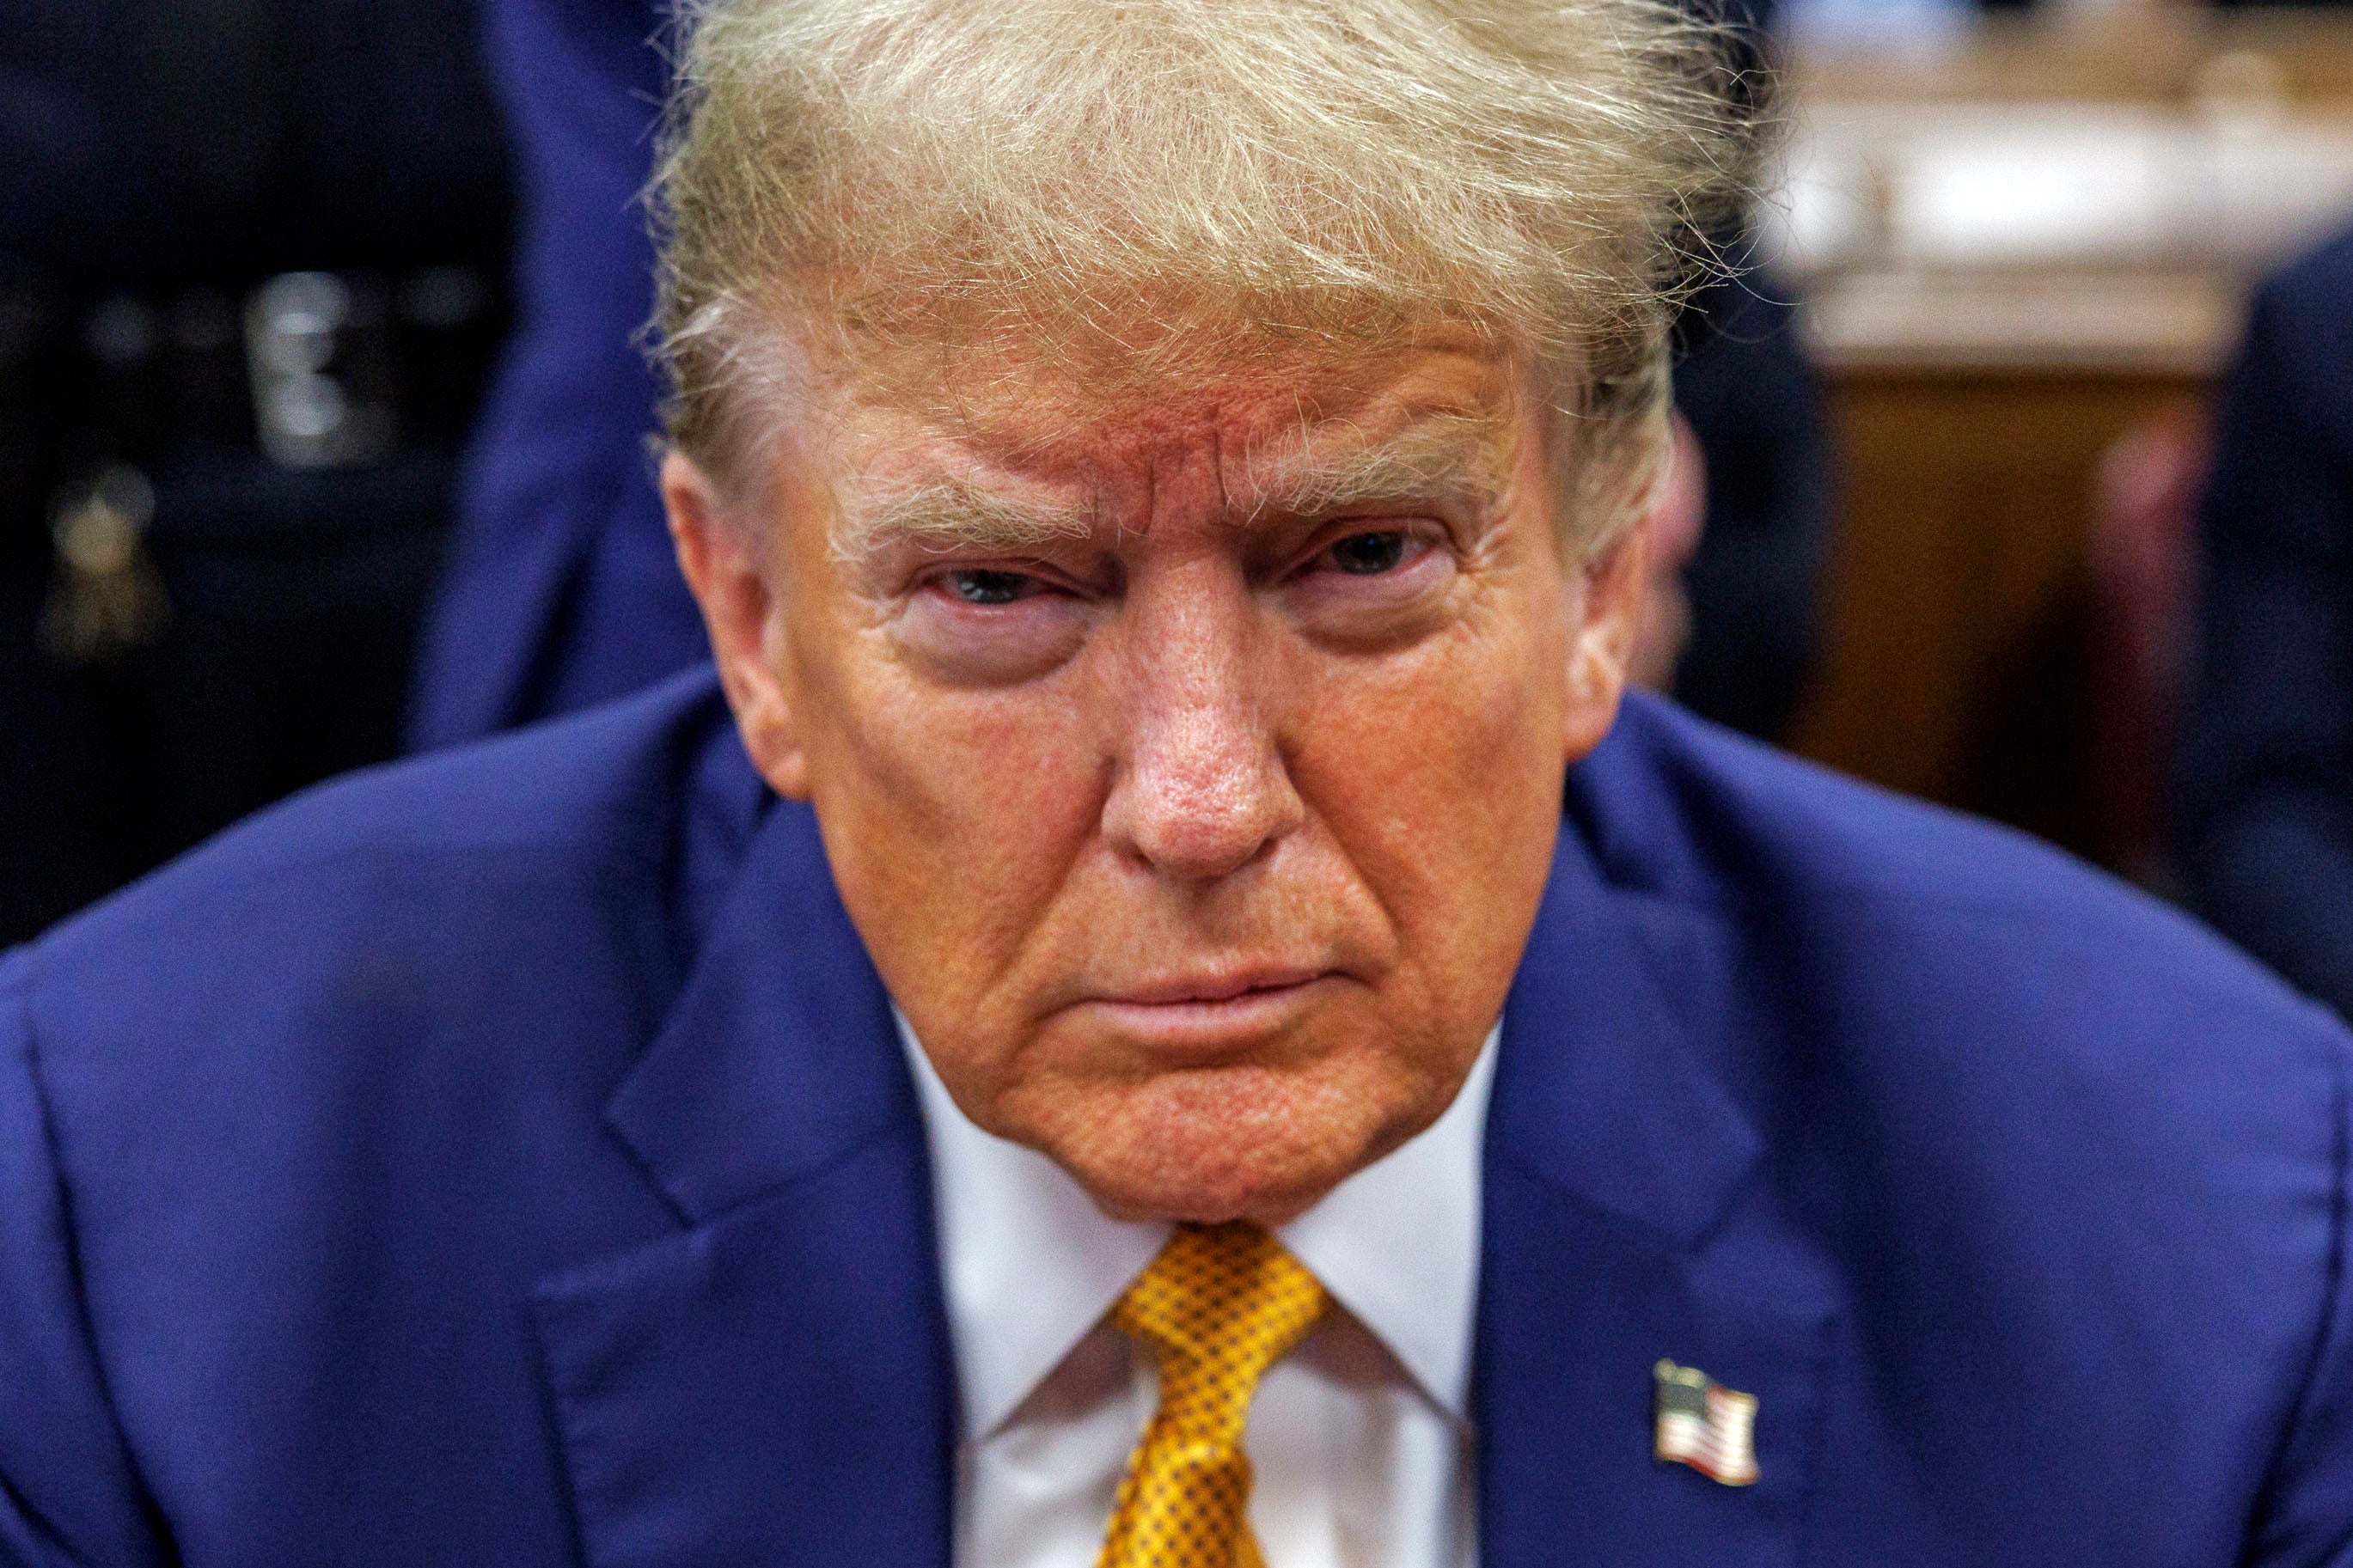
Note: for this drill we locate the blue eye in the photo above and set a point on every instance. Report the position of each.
(983, 587)
(1370, 554)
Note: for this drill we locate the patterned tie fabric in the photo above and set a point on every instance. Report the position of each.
(1218, 1306)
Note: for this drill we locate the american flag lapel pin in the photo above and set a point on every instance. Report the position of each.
(1705, 1425)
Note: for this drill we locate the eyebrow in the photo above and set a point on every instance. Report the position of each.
(952, 514)
(1437, 454)
(1449, 454)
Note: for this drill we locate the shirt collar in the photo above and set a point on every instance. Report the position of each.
(1031, 1264)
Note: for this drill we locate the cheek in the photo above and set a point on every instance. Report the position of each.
(952, 817)
(1440, 776)
(1470, 715)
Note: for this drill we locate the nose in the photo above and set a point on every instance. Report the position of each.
(1200, 789)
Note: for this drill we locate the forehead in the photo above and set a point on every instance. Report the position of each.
(1047, 422)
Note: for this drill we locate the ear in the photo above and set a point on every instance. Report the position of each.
(1601, 651)
(736, 582)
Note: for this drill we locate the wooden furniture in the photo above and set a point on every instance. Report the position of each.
(1958, 663)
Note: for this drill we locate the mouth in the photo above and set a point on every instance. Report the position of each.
(1205, 1012)
(1213, 987)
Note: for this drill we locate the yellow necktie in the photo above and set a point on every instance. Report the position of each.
(1218, 1306)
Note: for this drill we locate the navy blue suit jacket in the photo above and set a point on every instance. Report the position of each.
(2267, 820)
(505, 1158)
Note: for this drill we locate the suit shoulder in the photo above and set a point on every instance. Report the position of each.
(1953, 995)
(573, 800)
(1701, 816)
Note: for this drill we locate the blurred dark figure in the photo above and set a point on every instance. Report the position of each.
(1754, 583)
(561, 591)
(1745, 387)
(251, 261)
(2265, 815)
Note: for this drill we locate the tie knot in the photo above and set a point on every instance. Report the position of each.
(1225, 1299)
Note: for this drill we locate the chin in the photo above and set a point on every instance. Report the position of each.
(1269, 1198)
(1220, 1144)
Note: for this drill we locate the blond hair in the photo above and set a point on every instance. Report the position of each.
(1143, 186)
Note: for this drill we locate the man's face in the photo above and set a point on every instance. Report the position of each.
(1190, 765)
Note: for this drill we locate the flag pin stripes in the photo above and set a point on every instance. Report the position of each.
(1705, 1425)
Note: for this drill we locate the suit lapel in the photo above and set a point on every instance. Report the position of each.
(1624, 1225)
(772, 1383)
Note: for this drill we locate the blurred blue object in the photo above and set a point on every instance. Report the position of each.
(1754, 400)
(2265, 818)
(560, 589)
(1885, 26)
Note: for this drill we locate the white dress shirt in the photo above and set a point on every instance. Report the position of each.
(1358, 1438)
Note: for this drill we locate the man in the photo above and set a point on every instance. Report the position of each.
(1107, 1046)
(2267, 797)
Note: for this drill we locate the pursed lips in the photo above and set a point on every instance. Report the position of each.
(1223, 985)
(1209, 1011)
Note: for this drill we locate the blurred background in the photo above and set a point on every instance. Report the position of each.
(322, 427)
(253, 264)
(2025, 241)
